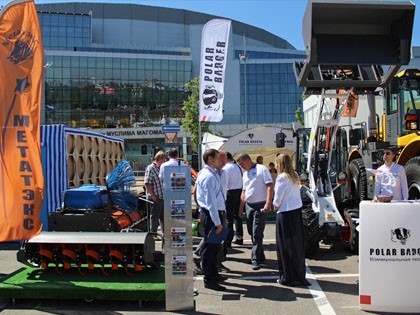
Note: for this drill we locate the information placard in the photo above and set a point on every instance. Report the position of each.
(389, 256)
(178, 238)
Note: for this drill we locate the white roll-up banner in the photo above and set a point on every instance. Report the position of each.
(214, 48)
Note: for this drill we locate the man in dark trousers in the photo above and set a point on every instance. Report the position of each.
(233, 200)
(155, 191)
(256, 199)
(209, 189)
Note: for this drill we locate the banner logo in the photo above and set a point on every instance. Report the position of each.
(210, 97)
(21, 45)
(400, 235)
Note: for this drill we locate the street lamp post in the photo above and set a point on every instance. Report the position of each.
(244, 57)
(43, 102)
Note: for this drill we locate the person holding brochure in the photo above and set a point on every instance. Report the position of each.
(289, 227)
(209, 190)
(221, 206)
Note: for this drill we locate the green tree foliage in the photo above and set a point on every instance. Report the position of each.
(191, 111)
(299, 117)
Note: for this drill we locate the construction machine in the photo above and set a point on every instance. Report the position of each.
(353, 48)
(398, 127)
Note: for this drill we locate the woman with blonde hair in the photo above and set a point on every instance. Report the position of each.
(289, 227)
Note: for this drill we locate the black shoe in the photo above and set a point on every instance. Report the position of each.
(255, 265)
(198, 271)
(214, 286)
(261, 261)
(293, 283)
(238, 241)
(197, 262)
(223, 268)
(219, 278)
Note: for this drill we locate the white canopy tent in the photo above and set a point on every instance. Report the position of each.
(211, 141)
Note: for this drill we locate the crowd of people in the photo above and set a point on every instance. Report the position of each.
(225, 189)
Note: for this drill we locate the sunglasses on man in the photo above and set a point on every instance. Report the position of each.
(387, 152)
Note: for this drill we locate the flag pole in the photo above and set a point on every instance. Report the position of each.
(199, 144)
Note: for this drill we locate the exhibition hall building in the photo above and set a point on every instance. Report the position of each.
(121, 69)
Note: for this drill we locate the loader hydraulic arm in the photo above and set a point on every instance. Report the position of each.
(347, 43)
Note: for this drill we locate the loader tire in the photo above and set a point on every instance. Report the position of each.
(350, 237)
(358, 180)
(412, 170)
(311, 230)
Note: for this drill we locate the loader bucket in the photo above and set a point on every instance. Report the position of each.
(341, 34)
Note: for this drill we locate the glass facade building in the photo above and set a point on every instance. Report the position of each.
(106, 87)
(124, 66)
(271, 95)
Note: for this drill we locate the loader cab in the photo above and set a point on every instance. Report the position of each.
(403, 105)
(339, 156)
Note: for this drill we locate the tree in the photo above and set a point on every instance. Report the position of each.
(298, 116)
(191, 109)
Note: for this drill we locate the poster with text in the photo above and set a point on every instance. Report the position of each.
(178, 237)
(179, 265)
(178, 209)
(178, 181)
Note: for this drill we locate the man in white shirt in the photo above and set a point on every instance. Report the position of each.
(221, 206)
(173, 161)
(233, 201)
(256, 198)
(209, 191)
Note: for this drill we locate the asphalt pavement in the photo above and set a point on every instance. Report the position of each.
(332, 272)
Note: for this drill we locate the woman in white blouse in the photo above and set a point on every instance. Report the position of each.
(289, 227)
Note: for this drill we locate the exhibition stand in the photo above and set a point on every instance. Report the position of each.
(178, 238)
(171, 282)
(389, 256)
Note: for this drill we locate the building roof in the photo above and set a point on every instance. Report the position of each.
(164, 15)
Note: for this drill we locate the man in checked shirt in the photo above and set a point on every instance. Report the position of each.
(155, 191)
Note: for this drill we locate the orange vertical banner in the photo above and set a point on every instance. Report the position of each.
(21, 80)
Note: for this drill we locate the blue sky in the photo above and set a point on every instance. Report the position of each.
(280, 17)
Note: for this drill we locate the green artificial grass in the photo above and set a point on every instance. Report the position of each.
(32, 283)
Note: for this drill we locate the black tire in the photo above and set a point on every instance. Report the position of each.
(350, 237)
(358, 180)
(412, 170)
(305, 198)
(311, 230)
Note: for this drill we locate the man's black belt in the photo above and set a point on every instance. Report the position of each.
(255, 203)
(209, 211)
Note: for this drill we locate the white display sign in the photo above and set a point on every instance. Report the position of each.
(258, 137)
(136, 132)
(214, 49)
(178, 239)
(389, 256)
